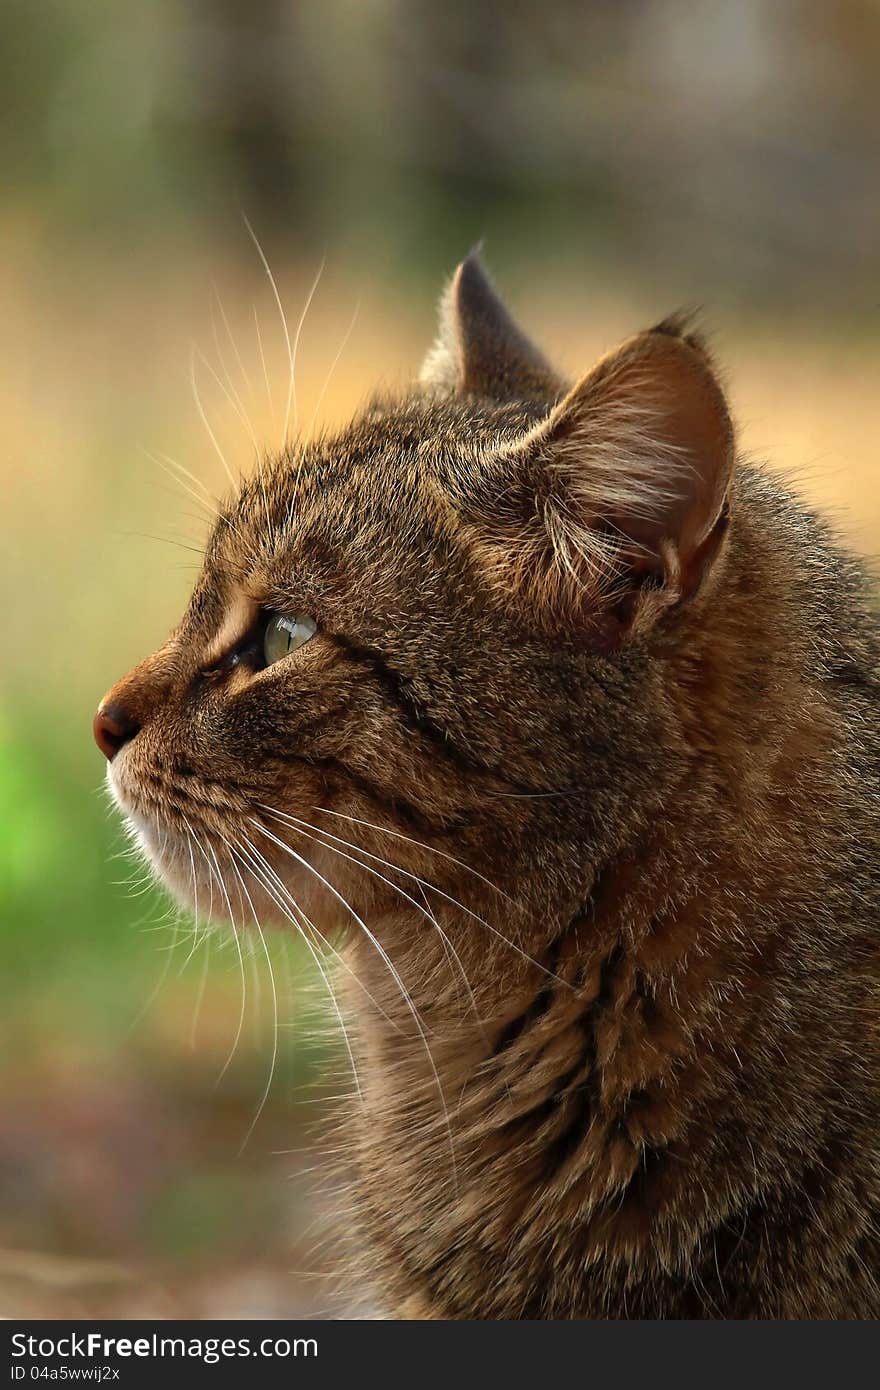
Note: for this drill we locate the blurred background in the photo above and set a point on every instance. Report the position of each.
(619, 158)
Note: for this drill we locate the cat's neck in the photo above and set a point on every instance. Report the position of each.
(614, 994)
(571, 1087)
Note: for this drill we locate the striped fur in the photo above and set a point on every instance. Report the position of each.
(587, 746)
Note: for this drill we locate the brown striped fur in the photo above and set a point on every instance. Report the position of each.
(615, 702)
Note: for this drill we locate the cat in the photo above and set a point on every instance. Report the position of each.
(564, 722)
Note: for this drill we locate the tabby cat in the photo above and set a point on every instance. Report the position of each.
(564, 723)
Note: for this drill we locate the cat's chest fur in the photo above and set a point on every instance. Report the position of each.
(617, 1143)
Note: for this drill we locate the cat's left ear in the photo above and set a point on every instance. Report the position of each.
(480, 350)
(617, 502)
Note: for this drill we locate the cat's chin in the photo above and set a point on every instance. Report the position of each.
(161, 850)
(198, 876)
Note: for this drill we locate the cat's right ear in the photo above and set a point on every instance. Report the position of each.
(479, 350)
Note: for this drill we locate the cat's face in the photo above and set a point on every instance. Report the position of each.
(340, 653)
(390, 653)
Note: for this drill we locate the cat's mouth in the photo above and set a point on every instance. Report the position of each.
(155, 838)
(234, 864)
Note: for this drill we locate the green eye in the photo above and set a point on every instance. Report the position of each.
(284, 634)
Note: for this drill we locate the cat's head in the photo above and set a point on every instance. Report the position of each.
(419, 639)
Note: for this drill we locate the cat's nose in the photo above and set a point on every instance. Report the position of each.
(113, 726)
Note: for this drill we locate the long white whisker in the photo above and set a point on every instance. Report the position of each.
(211, 504)
(158, 460)
(232, 343)
(447, 896)
(281, 890)
(232, 923)
(265, 369)
(209, 497)
(201, 409)
(304, 828)
(221, 358)
(200, 994)
(231, 395)
(137, 888)
(333, 365)
(163, 976)
(420, 844)
(251, 850)
(297, 335)
(392, 970)
(274, 1058)
(241, 1010)
(210, 912)
(283, 317)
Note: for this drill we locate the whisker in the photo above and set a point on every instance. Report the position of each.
(159, 985)
(193, 840)
(201, 409)
(200, 995)
(241, 1011)
(195, 883)
(285, 330)
(163, 540)
(235, 935)
(447, 896)
(421, 844)
(209, 497)
(236, 395)
(274, 1058)
(297, 335)
(265, 369)
(159, 461)
(282, 889)
(395, 975)
(231, 396)
(252, 850)
(232, 343)
(144, 886)
(303, 828)
(333, 365)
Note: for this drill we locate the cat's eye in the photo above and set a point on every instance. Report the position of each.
(285, 633)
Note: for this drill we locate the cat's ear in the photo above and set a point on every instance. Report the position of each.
(479, 350)
(626, 482)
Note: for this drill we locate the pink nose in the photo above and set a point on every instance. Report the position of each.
(113, 727)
